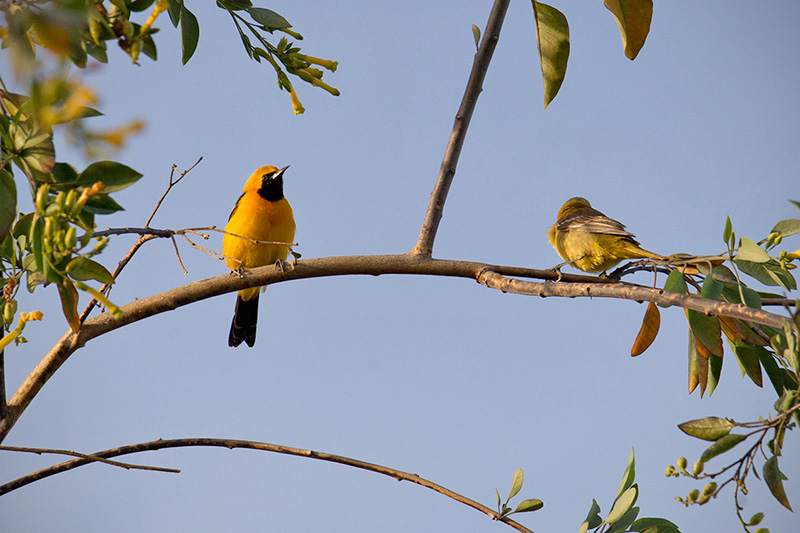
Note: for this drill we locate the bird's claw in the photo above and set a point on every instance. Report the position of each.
(295, 256)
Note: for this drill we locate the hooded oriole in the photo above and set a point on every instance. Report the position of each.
(261, 214)
(590, 241)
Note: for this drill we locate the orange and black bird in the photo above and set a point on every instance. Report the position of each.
(590, 241)
(261, 214)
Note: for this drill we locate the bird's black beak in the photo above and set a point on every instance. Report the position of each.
(280, 172)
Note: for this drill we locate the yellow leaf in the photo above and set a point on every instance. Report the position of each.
(647, 334)
(633, 18)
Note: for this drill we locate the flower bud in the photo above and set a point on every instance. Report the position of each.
(42, 197)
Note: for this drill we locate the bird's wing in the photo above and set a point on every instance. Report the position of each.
(592, 221)
(235, 206)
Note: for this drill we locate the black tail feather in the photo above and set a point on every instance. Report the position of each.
(243, 326)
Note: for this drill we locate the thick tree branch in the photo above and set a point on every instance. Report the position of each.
(263, 446)
(453, 150)
(492, 276)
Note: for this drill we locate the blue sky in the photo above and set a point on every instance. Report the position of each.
(440, 377)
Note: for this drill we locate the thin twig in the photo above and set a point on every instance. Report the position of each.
(89, 457)
(3, 404)
(169, 188)
(453, 150)
(145, 236)
(264, 446)
(178, 253)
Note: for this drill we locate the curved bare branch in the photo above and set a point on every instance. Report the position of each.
(263, 446)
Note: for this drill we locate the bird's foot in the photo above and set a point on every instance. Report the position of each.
(295, 256)
(283, 266)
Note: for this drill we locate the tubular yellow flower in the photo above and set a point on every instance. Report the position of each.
(159, 8)
(324, 63)
(297, 107)
(23, 318)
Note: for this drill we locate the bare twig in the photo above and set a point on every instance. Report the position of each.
(275, 448)
(375, 265)
(169, 188)
(453, 150)
(3, 404)
(145, 236)
(88, 457)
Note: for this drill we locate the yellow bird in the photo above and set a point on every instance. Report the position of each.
(590, 241)
(261, 214)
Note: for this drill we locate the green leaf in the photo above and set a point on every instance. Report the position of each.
(714, 373)
(552, 36)
(774, 479)
(174, 10)
(627, 477)
(8, 202)
(36, 242)
(64, 173)
(661, 529)
(593, 518)
(774, 372)
(526, 506)
(234, 5)
(675, 283)
(268, 18)
(102, 204)
(707, 330)
(768, 273)
(149, 47)
(750, 251)
(83, 269)
(751, 298)
(633, 18)
(140, 5)
(722, 445)
(623, 523)
(69, 303)
(499, 501)
(726, 233)
(34, 275)
(40, 156)
(644, 523)
(623, 505)
(787, 227)
(710, 428)
(516, 484)
(190, 34)
(749, 362)
(115, 176)
(694, 370)
(476, 33)
(712, 288)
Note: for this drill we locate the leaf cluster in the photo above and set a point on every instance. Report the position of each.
(624, 515)
(755, 347)
(718, 431)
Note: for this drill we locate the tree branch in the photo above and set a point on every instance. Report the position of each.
(492, 276)
(453, 150)
(275, 448)
(89, 458)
